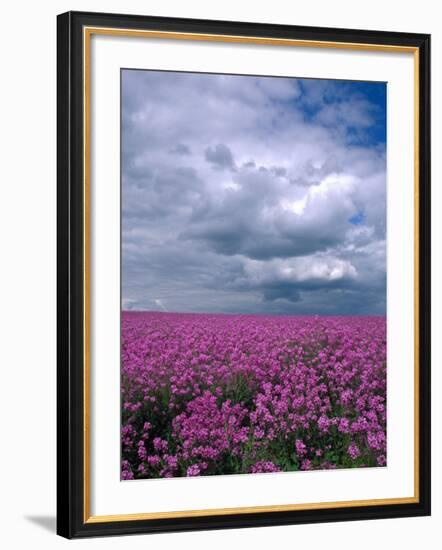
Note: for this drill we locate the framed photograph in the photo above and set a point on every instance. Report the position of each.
(243, 274)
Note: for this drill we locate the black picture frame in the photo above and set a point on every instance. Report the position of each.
(71, 498)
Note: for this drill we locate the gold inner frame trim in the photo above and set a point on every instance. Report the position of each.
(87, 33)
(416, 274)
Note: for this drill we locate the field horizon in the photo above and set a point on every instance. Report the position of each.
(266, 314)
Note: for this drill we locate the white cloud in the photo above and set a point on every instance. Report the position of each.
(298, 270)
(160, 304)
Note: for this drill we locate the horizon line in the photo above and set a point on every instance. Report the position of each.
(253, 314)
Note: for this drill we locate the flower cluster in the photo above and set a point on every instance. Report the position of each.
(227, 394)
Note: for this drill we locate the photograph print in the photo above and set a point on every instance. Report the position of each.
(253, 274)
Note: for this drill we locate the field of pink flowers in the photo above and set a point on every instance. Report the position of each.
(227, 394)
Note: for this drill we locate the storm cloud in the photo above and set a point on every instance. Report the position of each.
(245, 194)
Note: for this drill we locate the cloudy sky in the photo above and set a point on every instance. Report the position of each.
(245, 194)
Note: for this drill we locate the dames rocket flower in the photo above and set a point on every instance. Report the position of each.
(229, 394)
